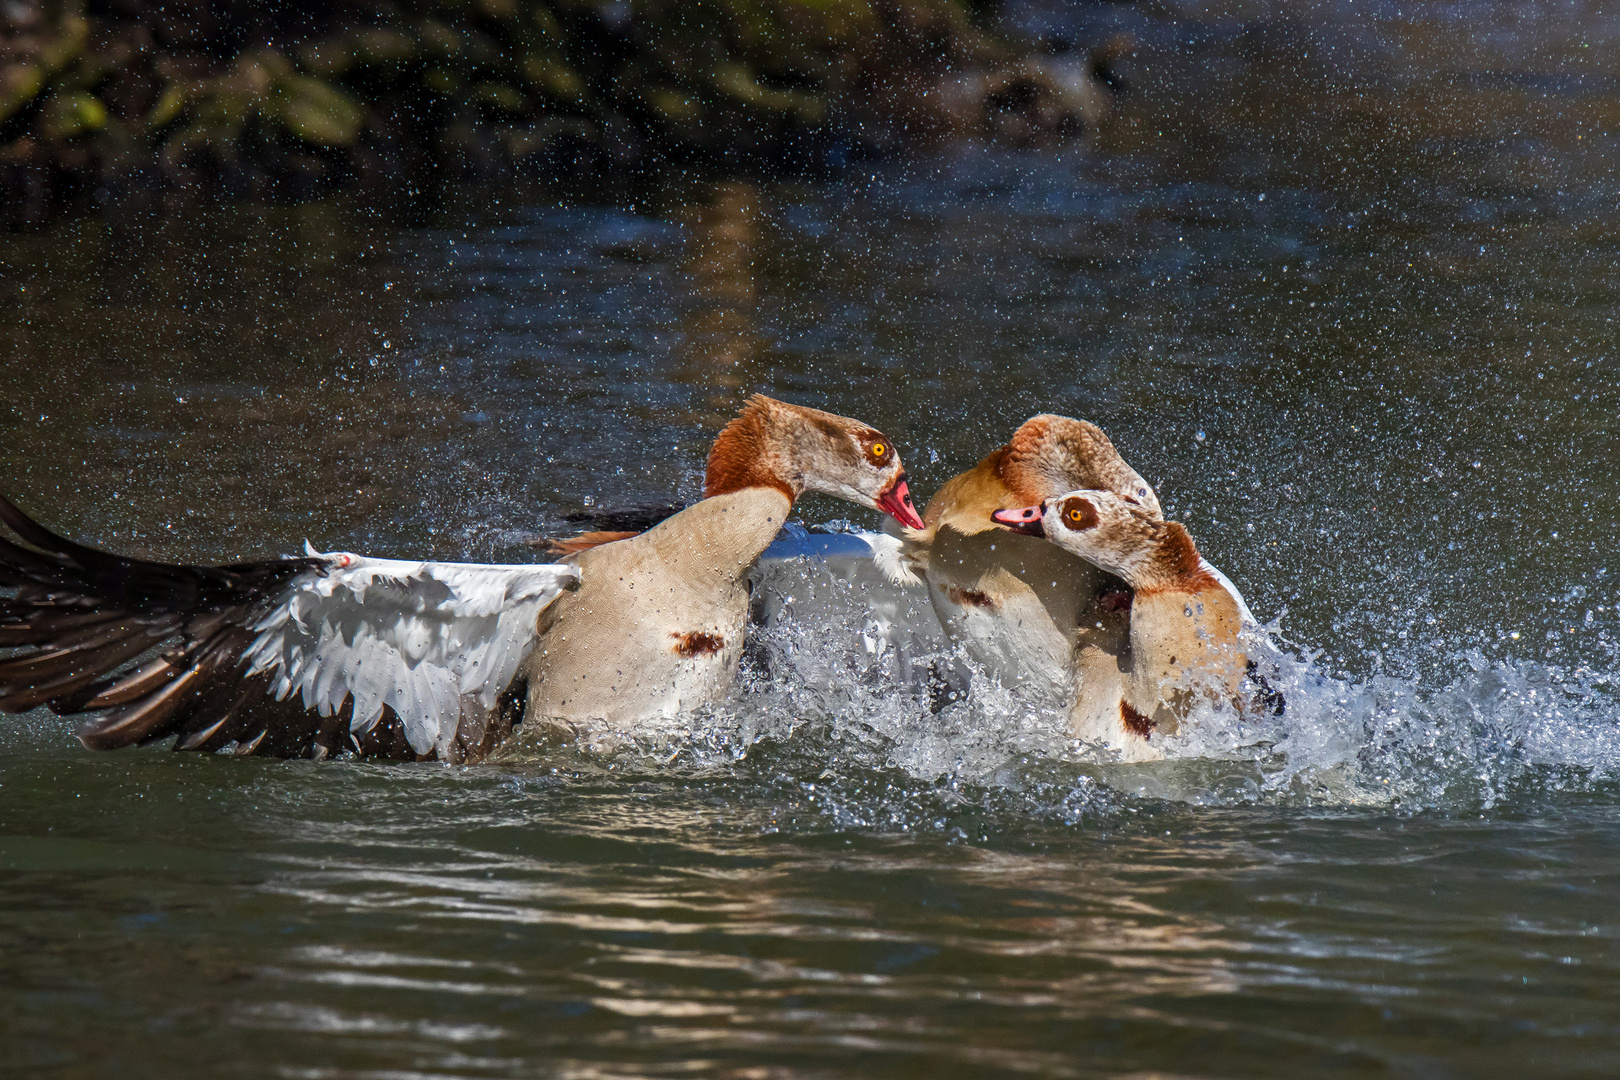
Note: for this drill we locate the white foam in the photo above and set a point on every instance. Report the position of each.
(850, 694)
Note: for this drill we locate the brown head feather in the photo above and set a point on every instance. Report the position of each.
(743, 454)
(1049, 455)
(791, 448)
(1025, 487)
(1176, 566)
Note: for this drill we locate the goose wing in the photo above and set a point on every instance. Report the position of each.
(319, 654)
(1244, 613)
(893, 557)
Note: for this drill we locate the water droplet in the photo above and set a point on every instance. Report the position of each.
(1200, 436)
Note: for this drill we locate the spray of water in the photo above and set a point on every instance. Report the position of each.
(857, 713)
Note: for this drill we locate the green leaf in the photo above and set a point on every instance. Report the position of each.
(72, 113)
(19, 85)
(318, 113)
(169, 104)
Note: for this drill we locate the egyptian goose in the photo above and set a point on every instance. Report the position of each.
(1185, 617)
(1034, 615)
(336, 652)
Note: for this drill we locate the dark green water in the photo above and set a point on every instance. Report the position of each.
(1342, 282)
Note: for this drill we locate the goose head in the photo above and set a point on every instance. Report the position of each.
(1049, 455)
(795, 449)
(1118, 534)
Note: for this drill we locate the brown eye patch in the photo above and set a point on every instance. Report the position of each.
(1078, 514)
(879, 451)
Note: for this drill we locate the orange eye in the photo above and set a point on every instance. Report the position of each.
(1079, 514)
(877, 449)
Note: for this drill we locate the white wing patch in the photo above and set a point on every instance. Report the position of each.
(889, 554)
(1226, 583)
(414, 636)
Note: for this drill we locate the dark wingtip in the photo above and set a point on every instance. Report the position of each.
(32, 532)
(27, 528)
(624, 519)
(80, 621)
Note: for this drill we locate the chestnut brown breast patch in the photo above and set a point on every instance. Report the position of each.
(698, 643)
(1135, 722)
(968, 597)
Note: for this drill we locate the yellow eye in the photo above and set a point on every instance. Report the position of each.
(877, 449)
(1078, 515)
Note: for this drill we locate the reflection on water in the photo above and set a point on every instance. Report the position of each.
(132, 340)
(1341, 281)
(718, 324)
(476, 923)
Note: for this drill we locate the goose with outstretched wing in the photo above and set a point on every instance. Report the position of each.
(340, 653)
(315, 655)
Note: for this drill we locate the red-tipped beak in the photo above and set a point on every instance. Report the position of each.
(1026, 521)
(896, 502)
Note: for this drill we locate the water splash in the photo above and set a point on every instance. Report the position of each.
(854, 712)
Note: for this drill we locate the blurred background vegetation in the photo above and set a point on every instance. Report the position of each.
(285, 99)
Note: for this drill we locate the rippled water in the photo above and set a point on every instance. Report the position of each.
(1342, 281)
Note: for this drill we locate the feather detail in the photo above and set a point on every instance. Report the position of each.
(895, 559)
(748, 452)
(889, 555)
(1226, 583)
(573, 545)
(392, 651)
(136, 684)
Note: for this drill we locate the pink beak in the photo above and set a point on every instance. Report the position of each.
(1026, 521)
(896, 502)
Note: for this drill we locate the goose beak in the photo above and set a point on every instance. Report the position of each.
(1026, 521)
(896, 502)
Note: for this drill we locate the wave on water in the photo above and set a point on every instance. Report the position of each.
(854, 705)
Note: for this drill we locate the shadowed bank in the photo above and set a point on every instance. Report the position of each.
(101, 101)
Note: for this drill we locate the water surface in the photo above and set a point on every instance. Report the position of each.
(1341, 281)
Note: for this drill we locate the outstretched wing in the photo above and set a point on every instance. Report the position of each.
(890, 555)
(269, 655)
(414, 637)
